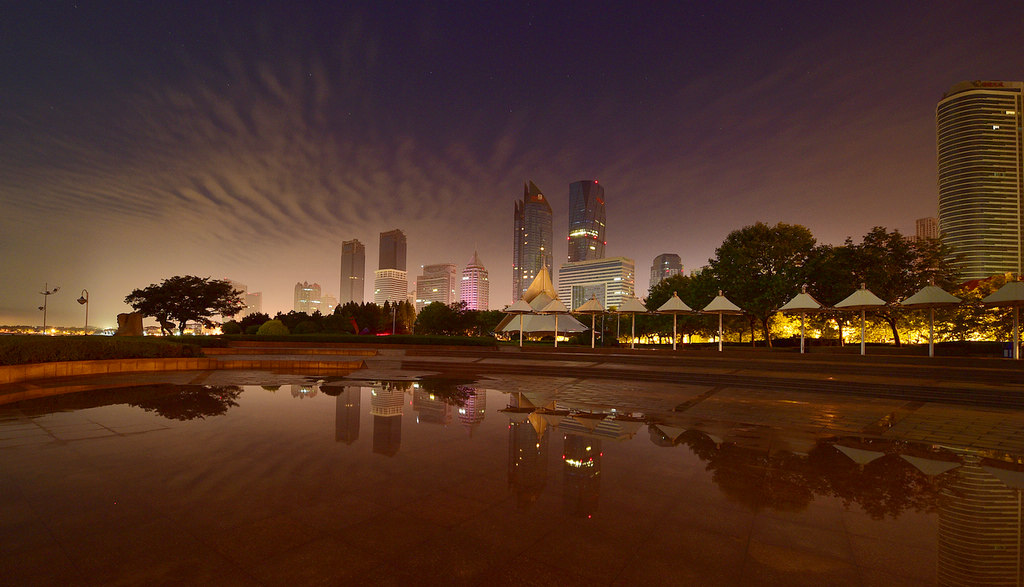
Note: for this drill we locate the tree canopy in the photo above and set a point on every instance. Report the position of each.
(186, 298)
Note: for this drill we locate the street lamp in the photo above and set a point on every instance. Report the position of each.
(84, 299)
(46, 293)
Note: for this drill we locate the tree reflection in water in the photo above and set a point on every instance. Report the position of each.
(188, 402)
(784, 481)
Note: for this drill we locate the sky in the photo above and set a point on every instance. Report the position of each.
(247, 140)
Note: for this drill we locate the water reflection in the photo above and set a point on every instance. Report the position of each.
(174, 402)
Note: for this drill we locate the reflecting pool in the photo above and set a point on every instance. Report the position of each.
(503, 480)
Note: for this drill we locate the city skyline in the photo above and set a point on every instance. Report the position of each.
(142, 142)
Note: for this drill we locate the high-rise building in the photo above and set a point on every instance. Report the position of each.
(392, 250)
(436, 284)
(532, 241)
(253, 304)
(327, 304)
(474, 288)
(390, 281)
(611, 280)
(586, 221)
(353, 272)
(981, 176)
(389, 285)
(307, 297)
(665, 265)
(925, 228)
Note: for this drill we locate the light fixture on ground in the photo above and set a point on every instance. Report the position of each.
(46, 293)
(84, 299)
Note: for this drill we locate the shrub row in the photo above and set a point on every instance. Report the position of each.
(411, 339)
(19, 350)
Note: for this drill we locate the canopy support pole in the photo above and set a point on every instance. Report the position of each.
(801, 333)
(592, 318)
(556, 331)
(719, 332)
(520, 331)
(862, 332)
(674, 331)
(632, 331)
(931, 332)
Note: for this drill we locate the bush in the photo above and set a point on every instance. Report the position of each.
(18, 350)
(306, 327)
(231, 327)
(252, 329)
(272, 328)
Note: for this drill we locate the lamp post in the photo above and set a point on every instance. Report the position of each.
(84, 299)
(46, 293)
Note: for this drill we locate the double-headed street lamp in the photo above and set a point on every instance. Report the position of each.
(46, 293)
(84, 299)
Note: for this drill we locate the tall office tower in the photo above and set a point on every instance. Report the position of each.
(611, 280)
(527, 460)
(586, 221)
(353, 272)
(307, 297)
(437, 284)
(532, 241)
(925, 228)
(981, 176)
(327, 304)
(475, 289)
(386, 401)
(253, 304)
(581, 475)
(390, 281)
(665, 265)
(392, 250)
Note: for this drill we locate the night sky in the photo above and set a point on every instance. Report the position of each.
(248, 140)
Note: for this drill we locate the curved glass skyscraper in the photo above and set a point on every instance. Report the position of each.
(980, 173)
(586, 221)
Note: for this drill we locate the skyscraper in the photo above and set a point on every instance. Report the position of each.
(586, 221)
(474, 288)
(532, 241)
(392, 250)
(981, 176)
(926, 228)
(390, 281)
(353, 272)
(665, 265)
(307, 297)
(436, 284)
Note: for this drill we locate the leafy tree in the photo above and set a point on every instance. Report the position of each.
(254, 319)
(231, 327)
(185, 298)
(760, 267)
(894, 267)
(970, 319)
(831, 277)
(485, 321)
(696, 290)
(450, 320)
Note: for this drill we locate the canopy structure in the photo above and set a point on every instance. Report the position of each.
(520, 308)
(632, 306)
(1011, 294)
(554, 308)
(930, 297)
(592, 307)
(803, 303)
(862, 300)
(721, 305)
(538, 296)
(674, 306)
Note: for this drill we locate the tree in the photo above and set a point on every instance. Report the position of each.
(696, 290)
(185, 298)
(451, 320)
(831, 277)
(894, 267)
(760, 267)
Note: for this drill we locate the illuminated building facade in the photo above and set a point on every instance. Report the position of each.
(981, 195)
(253, 304)
(586, 221)
(436, 284)
(307, 297)
(532, 239)
(386, 403)
(389, 285)
(612, 280)
(474, 287)
(665, 265)
(581, 475)
(390, 281)
(353, 272)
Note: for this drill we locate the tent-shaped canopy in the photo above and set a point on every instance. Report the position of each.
(539, 295)
(861, 300)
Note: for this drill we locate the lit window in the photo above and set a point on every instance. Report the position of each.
(995, 127)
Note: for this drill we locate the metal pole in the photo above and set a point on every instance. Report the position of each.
(632, 330)
(674, 316)
(931, 332)
(556, 331)
(1016, 334)
(593, 317)
(719, 332)
(520, 330)
(862, 346)
(801, 333)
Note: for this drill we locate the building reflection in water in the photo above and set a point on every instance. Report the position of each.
(527, 459)
(305, 390)
(980, 526)
(430, 409)
(346, 415)
(386, 402)
(472, 412)
(581, 475)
